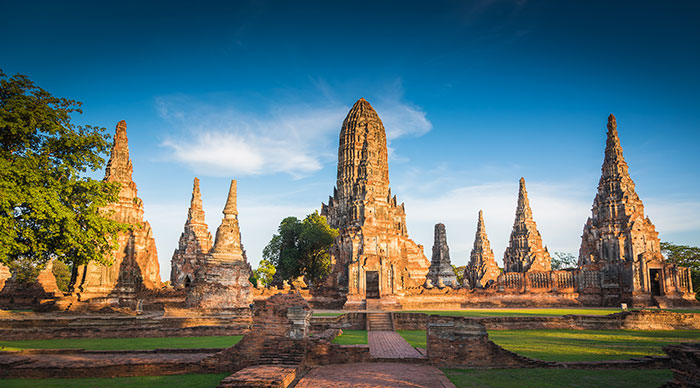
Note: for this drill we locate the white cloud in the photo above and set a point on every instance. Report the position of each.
(401, 119)
(220, 140)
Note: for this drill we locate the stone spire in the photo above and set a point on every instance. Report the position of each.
(221, 281)
(195, 241)
(135, 262)
(227, 245)
(440, 266)
(372, 239)
(617, 231)
(482, 268)
(525, 251)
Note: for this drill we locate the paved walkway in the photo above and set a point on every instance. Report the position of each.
(389, 344)
(375, 375)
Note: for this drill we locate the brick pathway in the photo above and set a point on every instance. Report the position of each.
(375, 375)
(389, 344)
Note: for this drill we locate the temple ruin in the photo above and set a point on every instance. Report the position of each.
(441, 273)
(195, 241)
(525, 251)
(482, 270)
(373, 257)
(135, 262)
(621, 243)
(221, 279)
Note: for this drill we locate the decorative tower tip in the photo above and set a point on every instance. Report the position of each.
(231, 208)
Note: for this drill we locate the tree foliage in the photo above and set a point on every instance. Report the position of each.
(563, 260)
(300, 248)
(62, 273)
(684, 256)
(47, 208)
(264, 273)
(459, 272)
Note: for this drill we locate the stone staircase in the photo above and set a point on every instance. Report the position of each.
(379, 322)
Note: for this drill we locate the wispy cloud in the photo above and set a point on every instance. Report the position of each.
(296, 139)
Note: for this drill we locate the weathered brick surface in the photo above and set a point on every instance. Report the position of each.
(685, 364)
(78, 363)
(457, 341)
(279, 336)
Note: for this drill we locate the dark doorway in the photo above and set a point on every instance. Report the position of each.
(372, 288)
(188, 282)
(655, 280)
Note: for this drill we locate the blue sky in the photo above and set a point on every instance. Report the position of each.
(474, 95)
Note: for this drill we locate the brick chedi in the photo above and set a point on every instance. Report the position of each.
(195, 241)
(135, 262)
(221, 281)
(525, 251)
(620, 241)
(482, 269)
(373, 255)
(441, 271)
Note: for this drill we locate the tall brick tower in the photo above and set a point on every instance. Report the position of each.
(135, 266)
(373, 256)
(621, 242)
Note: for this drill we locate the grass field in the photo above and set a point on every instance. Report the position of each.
(584, 345)
(543, 312)
(556, 378)
(179, 381)
(351, 337)
(123, 343)
(578, 345)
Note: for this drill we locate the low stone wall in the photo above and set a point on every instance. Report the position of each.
(323, 352)
(49, 326)
(77, 363)
(347, 321)
(685, 364)
(461, 342)
(631, 320)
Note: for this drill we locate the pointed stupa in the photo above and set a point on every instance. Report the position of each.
(222, 278)
(372, 237)
(135, 262)
(195, 241)
(227, 245)
(482, 268)
(441, 271)
(617, 230)
(525, 251)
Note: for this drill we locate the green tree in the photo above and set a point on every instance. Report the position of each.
(62, 273)
(264, 273)
(685, 256)
(300, 248)
(563, 260)
(48, 210)
(459, 272)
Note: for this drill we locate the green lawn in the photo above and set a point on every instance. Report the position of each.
(179, 381)
(414, 337)
(352, 337)
(556, 378)
(327, 314)
(584, 345)
(540, 312)
(124, 343)
(578, 345)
